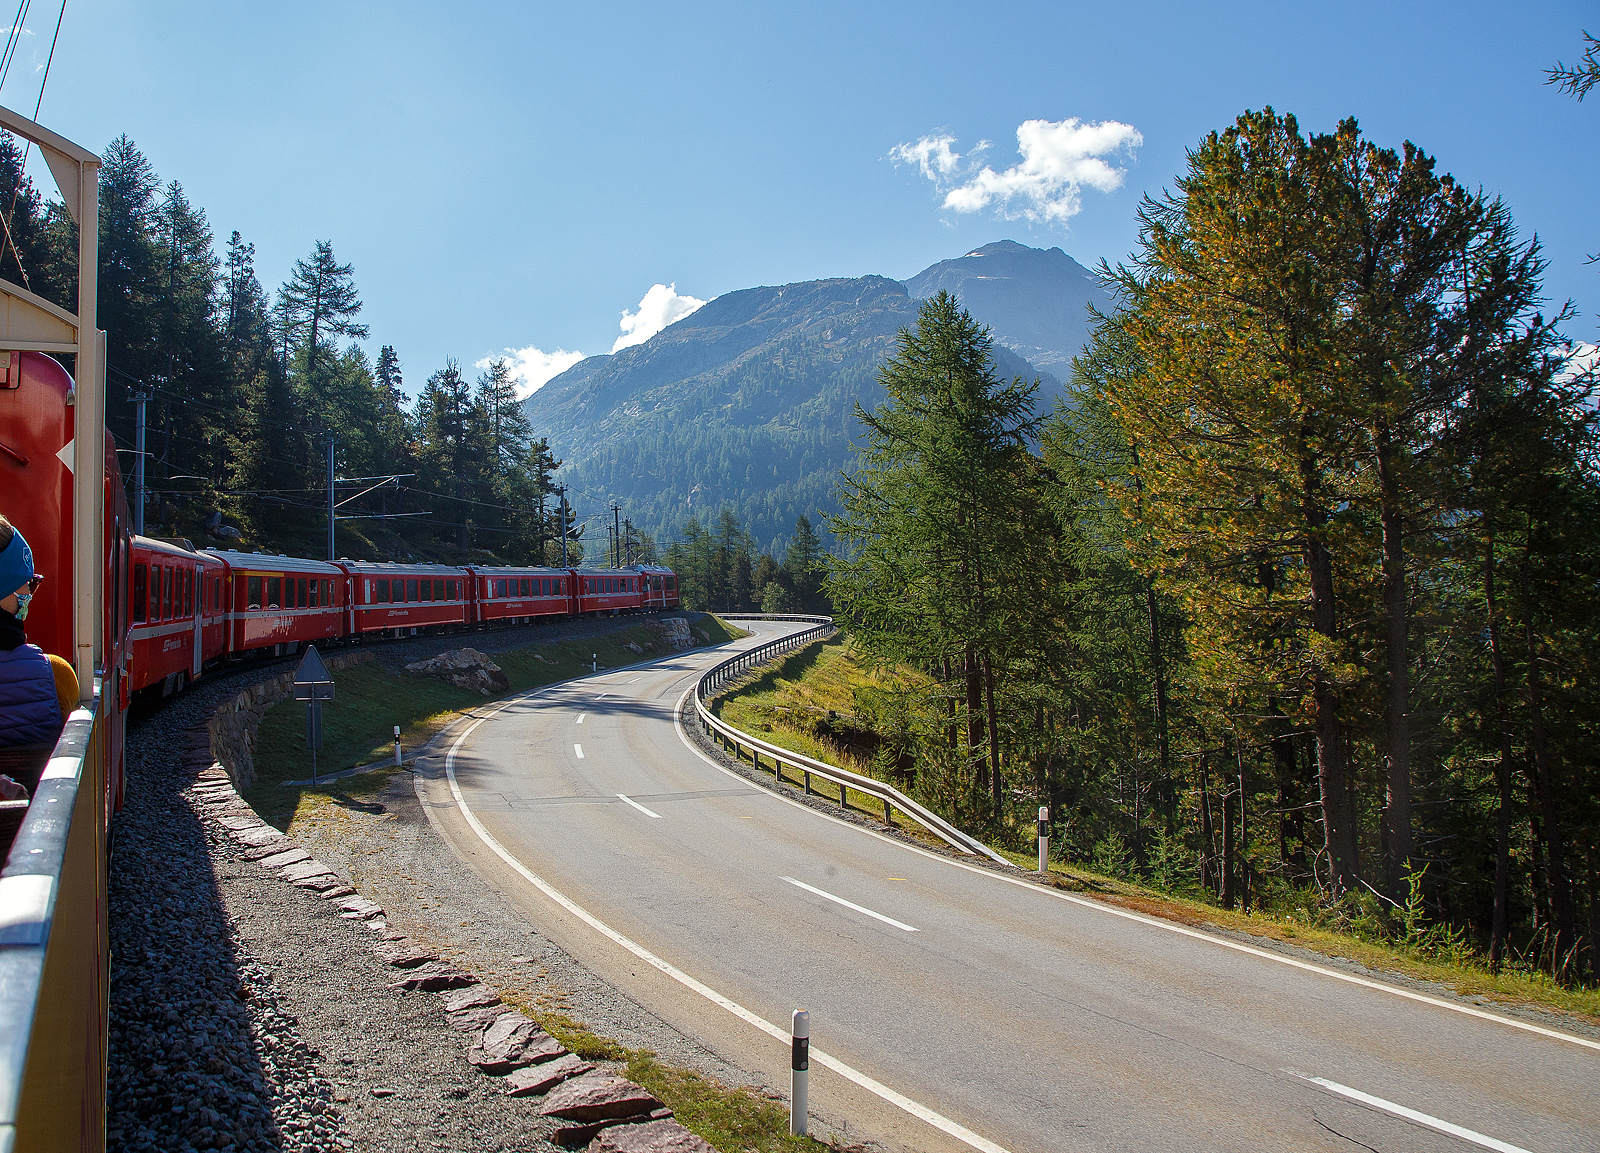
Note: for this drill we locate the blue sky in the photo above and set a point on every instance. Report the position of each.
(514, 176)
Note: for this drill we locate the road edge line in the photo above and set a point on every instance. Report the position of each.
(921, 1112)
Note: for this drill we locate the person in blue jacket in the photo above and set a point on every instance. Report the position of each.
(30, 710)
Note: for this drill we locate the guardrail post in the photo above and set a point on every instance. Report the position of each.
(887, 818)
(808, 781)
(844, 800)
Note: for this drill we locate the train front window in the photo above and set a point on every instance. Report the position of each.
(253, 592)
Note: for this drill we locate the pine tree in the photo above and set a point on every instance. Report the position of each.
(932, 517)
(320, 300)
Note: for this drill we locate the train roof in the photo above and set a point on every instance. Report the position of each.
(273, 562)
(164, 545)
(379, 568)
(517, 570)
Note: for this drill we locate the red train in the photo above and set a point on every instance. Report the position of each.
(190, 608)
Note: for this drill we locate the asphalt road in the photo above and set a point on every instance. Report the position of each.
(958, 1009)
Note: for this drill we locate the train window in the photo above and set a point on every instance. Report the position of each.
(316, 594)
(380, 594)
(253, 592)
(427, 591)
(274, 592)
(411, 591)
(188, 592)
(216, 594)
(301, 600)
(166, 592)
(499, 588)
(141, 590)
(450, 590)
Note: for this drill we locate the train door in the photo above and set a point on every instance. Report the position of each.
(197, 599)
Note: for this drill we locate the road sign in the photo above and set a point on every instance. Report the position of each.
(313, 683)
(312, 680)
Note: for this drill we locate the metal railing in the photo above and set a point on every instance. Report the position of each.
(54, 978)
(718, 677)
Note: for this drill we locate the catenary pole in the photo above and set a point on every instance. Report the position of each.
(330, 499)
(139, 399)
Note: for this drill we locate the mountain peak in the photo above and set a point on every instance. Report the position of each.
(1034, 300)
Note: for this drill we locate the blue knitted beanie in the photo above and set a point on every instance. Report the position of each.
(16, 565)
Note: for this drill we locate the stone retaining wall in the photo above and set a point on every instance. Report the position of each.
(233, 725)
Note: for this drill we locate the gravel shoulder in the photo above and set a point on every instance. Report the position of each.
(247, 1014)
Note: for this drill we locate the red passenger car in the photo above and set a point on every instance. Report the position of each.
(521, 595)
(401, 599)
(279, 603)
(608, 590)
(170, 605)
(660, 587)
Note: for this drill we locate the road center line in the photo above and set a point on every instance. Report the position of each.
(581, 716)
(578, 751)
(899, 1100)
(850, 905)
(630, 801)
(1144, 919)
(1413, 1115)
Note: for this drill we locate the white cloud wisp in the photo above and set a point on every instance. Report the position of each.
(532, 367)
(1059, 158)
(659, 307)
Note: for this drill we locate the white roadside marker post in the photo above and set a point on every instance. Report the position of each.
(594, 662)
(1044, 840)
(799, 1066)
(397, 746)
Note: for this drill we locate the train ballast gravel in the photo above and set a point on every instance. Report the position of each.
(189, 608)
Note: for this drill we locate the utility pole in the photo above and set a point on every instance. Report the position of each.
(561, 515)
(331, 554)
(139, 399)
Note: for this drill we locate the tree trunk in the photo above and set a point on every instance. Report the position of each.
(1207, 833)
(974, 673)
(1227, 889)
(951, 709)
(1397, 699)
(1560, 890)
(1158, 670)
(996, 784)
(1332, 775)
(1502, 846)
(1286, 766)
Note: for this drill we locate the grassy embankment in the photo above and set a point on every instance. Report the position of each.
(785, 702)
(357, 726)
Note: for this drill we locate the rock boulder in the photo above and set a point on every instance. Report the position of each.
(465, 669)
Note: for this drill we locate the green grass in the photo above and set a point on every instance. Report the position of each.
(732, 1120)
(782, 703)
(357, 725)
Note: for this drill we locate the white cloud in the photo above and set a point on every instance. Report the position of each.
(659, 307)
(532, 367)
(1059, 157)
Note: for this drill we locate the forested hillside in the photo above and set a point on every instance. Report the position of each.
(246, 390)
(1294, 605)
(747, 404)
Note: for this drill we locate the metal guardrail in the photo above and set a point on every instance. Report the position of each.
(54, 979)
(720, 676)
